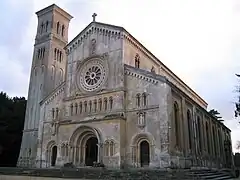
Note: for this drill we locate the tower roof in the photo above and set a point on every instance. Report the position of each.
(52, 8)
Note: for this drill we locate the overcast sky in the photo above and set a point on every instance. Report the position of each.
(198, 39)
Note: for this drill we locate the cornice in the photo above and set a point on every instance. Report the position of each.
(143, 74)
(93, 28)
(56, 8)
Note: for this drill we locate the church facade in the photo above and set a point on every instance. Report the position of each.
(103, 97)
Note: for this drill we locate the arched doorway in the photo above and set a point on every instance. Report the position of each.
(144, 153)
(91, 153)
(54, 156)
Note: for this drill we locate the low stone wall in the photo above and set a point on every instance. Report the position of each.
(11, 177)
(91, 173)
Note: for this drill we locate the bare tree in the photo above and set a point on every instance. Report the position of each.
(237, 103)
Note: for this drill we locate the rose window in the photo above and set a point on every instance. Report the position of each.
(92, 75)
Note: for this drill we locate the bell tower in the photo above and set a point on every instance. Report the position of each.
(47, 73)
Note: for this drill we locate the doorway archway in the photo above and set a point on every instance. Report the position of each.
(144, 153)
(91, 154)
(54, 156)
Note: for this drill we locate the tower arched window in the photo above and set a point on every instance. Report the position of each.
(41, 28)
(58, 26)
(55, 53)
(189, 122)
(138, 100)
(35, 71)
(176, 121)
(137, 61)
(60, 76)
(53, 73)
(38, 54)
(47, 26)
(63, 29)
(144, 99)
(60, 56)
(110, 102)
(43, 52)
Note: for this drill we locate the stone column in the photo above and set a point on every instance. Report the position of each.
(70, 154)
(77, 156)
(134, 156)
(74, 154)
(81, 155)
(100, 152)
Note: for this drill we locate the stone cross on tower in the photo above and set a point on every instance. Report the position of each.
(94, 17)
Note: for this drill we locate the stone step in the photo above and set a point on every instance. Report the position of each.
(133, 174)
(216, 176)
(209, 174)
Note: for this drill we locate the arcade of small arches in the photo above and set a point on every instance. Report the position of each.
(87, 146)
(92, 106)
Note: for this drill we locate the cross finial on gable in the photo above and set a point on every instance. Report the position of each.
(94, 17)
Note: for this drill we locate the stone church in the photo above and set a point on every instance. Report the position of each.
(104, 97)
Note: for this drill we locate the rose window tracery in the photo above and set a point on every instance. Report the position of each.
(93, 75)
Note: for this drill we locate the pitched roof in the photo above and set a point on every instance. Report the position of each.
(122, 29)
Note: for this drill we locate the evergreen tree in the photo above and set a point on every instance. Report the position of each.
(12, 114)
